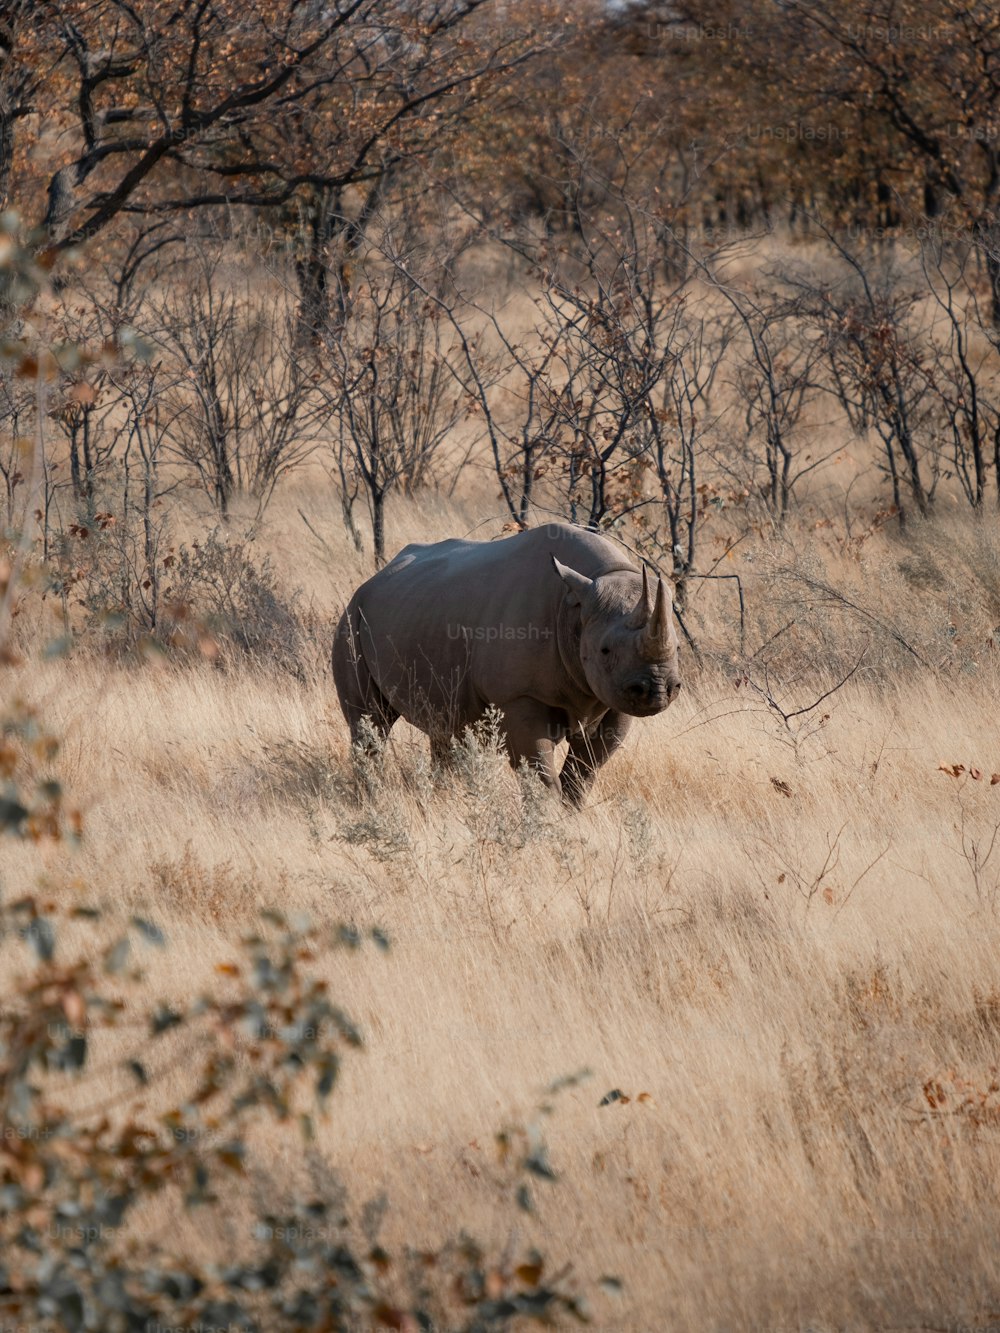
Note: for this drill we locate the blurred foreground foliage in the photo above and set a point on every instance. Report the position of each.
(84, 1156)
(32, 804)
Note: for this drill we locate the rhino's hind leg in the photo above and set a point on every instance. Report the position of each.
(360, 698)
(588, 751)
(370, 721)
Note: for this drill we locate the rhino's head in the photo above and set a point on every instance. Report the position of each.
(628, 644)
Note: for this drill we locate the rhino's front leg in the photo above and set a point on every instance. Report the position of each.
(588, 750)
(533, 730)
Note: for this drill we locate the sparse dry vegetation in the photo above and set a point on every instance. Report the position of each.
(775, 939)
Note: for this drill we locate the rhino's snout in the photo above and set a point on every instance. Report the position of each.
(647, 695)
(643, 691)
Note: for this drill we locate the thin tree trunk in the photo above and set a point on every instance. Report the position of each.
(74, 462)
(149, 543)
(897, 498)
(378, 525)
(527, 482)
(6, 151)
(88, 465)
(220, 455)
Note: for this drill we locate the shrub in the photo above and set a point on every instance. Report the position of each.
(71, 1181)
(219, 584)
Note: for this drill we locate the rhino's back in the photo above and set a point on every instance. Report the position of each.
(461, 565)
(450, 627)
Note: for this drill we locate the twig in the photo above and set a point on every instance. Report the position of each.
(767, 694)
(326, 546)
(739, 590)
(691, 643)
(868, 868)
(767, 642)
(818, 586)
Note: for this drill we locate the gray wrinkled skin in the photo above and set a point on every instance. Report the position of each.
(555, 626)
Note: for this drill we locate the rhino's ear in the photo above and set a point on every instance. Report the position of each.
(578, 584)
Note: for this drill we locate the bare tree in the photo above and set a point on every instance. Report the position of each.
(17, 412)
(646, 364)
(241, 413)
(514, 386)
(872, 348)
(390, 380)
(961, 377)
(574, 400)
(84, 413)
(776, 376)
(678, 428)
(177, 106)
(142, 532)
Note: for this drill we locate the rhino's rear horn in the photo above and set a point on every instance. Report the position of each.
(640, 615)
(578, 584)
(657, 637)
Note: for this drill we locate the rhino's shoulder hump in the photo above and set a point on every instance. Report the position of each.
(399, 562)
(590, 553)
(419, 551)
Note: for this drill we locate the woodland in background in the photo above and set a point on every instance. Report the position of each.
(288, 218)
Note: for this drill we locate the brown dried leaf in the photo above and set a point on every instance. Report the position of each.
(82, 393)
(75, 1008)
(387, 1316)
(934, 1094)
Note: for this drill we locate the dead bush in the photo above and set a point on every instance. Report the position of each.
(220, 584)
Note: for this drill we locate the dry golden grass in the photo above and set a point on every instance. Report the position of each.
(784, 934)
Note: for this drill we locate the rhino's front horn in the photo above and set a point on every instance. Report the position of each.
(640, 615)
(657, 637)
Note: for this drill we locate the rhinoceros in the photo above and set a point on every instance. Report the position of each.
(556, 626)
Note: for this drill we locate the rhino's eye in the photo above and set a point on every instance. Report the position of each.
(605, 650)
